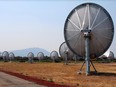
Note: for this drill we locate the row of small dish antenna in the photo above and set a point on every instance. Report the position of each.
(40, 56)
(64, 52)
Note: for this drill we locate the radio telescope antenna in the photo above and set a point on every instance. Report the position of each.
(11, 56)
(30, 57)
(0, 54)
(65, 52)
(111, 55)
(54, 55)
(88, 31)
(5, 56)
(40, 56)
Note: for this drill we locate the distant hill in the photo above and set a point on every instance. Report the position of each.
(24, 52)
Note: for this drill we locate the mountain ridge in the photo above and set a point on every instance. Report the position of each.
(34, 50)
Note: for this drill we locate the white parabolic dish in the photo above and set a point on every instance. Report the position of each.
(92, 17)
(64, 50)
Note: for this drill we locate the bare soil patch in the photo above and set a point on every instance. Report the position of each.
(65, 74)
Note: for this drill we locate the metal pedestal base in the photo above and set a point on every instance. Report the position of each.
(80, 71)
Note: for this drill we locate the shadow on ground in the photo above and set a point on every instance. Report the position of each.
(103, 74)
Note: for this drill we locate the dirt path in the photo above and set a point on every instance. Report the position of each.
(7, 80)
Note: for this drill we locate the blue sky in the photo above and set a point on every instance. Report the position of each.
(28, 23)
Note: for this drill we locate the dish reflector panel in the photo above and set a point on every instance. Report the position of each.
(93, 17)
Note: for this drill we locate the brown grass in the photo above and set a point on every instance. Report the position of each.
(66, 74)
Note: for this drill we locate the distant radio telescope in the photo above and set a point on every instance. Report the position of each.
(109, 54)
(5, 56)
(30, 57)
(11, 56)
(0, 55)
(54, 55)
(40, 56)
(65, 52)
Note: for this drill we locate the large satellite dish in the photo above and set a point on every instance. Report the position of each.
(54, 55)
(65, 52)
(40, 56)
(30, 57)
(88, 31)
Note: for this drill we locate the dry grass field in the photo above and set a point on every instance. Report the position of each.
(66, 74)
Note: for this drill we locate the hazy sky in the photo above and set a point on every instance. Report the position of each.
(28, 23)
